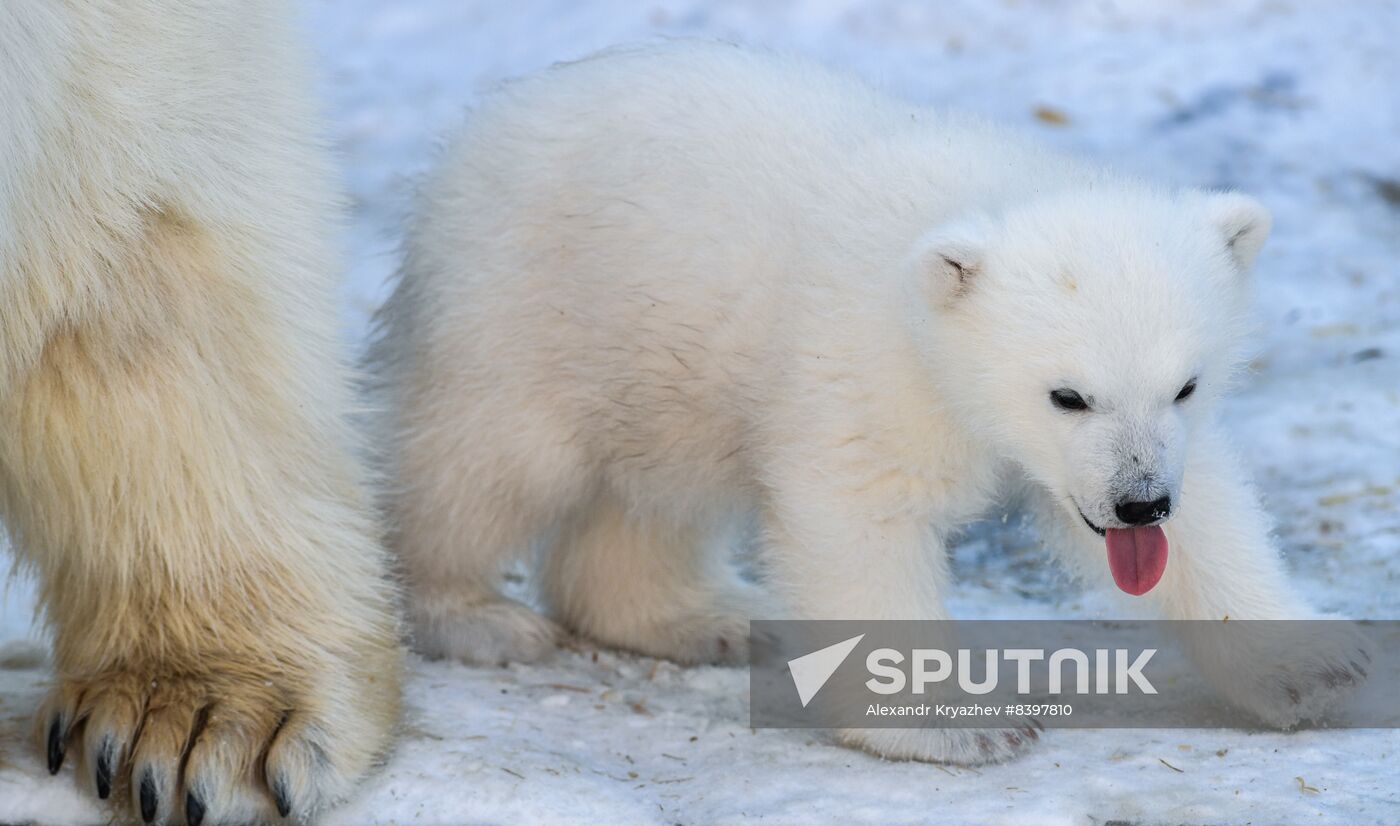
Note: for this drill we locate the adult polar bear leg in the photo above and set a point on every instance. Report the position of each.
(844, 555)
(649, 583)
(175, 462)
(1223, 566)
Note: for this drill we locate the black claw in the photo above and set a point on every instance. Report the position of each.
(148, 797)
(194, 810)
(104, 769)
(55, 745)
(281, 798)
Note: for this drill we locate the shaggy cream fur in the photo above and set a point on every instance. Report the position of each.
(176, 463)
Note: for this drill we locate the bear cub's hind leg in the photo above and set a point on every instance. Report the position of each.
(642, 582)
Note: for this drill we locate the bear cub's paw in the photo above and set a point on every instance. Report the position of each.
(955, 746)
(494, 631)
(1300, 680)
(702, 626)
(702, 638)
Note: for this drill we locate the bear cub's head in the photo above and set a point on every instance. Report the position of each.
(1088, 334)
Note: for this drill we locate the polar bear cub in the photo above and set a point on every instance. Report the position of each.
(660, 292)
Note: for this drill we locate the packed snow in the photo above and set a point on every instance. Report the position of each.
(1294, 102)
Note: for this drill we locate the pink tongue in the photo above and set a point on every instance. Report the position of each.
(1137, 557)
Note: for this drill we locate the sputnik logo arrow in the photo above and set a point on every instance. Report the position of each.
(811, 671)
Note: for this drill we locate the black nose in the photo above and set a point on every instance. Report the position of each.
(1144, 513)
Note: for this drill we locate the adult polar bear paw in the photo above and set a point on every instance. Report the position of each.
(234, 744)
(957, 746)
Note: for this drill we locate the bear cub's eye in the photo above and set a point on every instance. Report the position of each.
(1066, 399)
(1186, 391)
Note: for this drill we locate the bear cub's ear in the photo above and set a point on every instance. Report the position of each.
(950, 259)
(1243, 224)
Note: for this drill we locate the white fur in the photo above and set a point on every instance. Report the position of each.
(176, 462)
(658, 290)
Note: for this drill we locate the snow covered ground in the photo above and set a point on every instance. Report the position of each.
(1286, 99)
